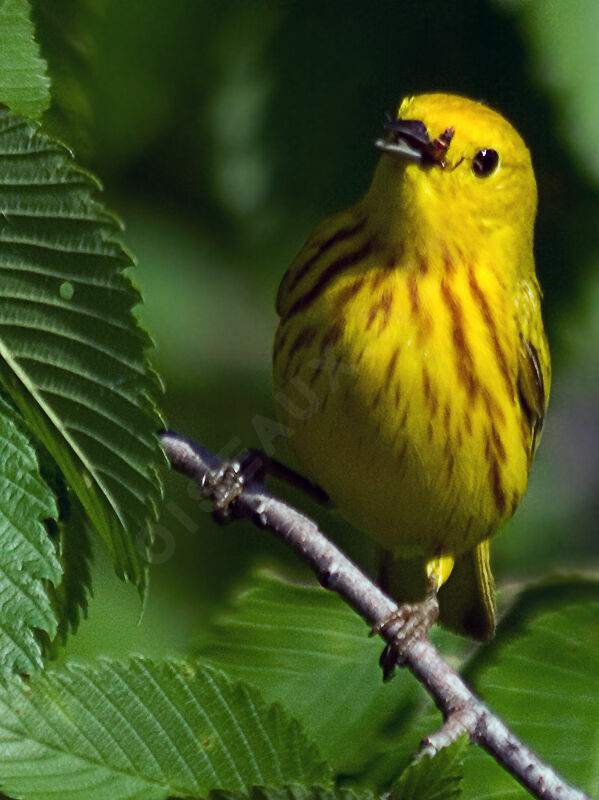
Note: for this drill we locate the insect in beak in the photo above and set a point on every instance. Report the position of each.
(409, 139)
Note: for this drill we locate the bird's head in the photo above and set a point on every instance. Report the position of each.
(452, 164)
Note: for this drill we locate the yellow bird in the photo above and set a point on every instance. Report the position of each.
(411, 367)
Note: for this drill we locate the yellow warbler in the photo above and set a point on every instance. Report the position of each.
(411, 367)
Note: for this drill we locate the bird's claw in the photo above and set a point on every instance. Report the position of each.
(222, 486)
(410, 622)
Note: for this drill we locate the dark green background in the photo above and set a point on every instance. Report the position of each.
(223, 131)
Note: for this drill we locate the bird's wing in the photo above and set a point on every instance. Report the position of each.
(534, 366)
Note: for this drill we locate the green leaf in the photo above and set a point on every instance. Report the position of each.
(71, 352)
(145, 730)
(295, 792)
(27, 557)
(71, 538)
(437, 778)
(24, 84)
(67, 31)
(540, 676)
(75, 552)
(303, 647)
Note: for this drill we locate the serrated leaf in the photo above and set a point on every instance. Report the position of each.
(27, 557)
(24, 84)
(71, 352)
(303, 647)
(70, 598)
(145, 730)
(540, 676)
(295, 792)
(72, 541)
(437, 778)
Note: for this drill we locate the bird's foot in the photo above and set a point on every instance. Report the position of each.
(227, 482)
(222, 486)
(410, 621)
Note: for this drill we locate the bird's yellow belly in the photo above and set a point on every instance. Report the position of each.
(405, 417)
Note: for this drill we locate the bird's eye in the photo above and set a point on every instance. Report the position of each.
(485, 163)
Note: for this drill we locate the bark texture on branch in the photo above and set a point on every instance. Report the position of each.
(462, 710)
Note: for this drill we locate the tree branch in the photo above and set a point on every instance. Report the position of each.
(462, 710)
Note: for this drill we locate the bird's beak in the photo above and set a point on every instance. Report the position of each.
(406, 138)
(409, 139)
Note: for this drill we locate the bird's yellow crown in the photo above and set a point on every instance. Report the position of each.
(449, 197)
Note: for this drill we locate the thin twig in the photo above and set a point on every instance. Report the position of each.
(462, 710)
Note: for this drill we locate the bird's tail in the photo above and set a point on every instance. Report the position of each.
(467, 600)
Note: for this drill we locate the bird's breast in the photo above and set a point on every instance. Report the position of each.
(398, 392)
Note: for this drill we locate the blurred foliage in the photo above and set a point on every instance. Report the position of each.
(223, 131)
(543, 682)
